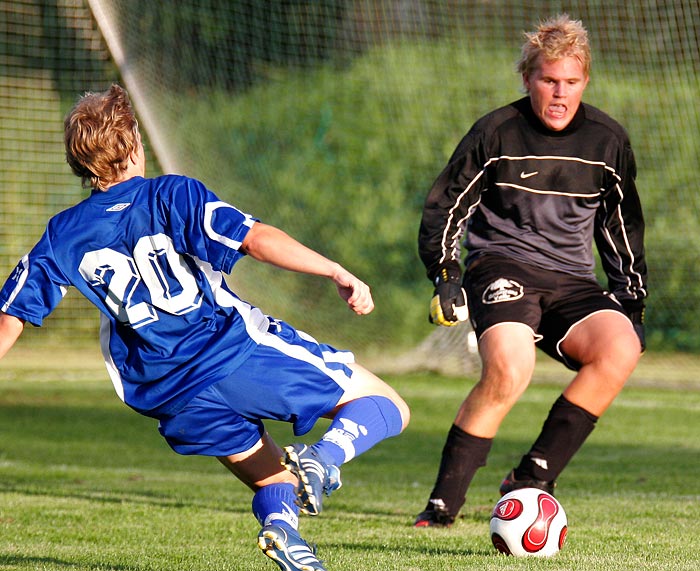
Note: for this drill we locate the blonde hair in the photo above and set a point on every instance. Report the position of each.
(555, 39)
(100, 134)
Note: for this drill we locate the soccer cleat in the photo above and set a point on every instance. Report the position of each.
(509, 484)
(286, 548)
(436, 515)
(316, 478)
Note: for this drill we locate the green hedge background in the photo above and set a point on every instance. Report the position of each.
(330, 119)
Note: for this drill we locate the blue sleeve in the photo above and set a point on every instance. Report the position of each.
(210, 228)
(36, 285)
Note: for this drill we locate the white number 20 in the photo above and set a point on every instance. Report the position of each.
(155, 264)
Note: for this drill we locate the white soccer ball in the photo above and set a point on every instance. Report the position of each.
(528, 522)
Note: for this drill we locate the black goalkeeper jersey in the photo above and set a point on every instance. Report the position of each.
(515, 188)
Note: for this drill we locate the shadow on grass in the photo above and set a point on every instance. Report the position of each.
(101, 497)
(405, 548)
(30, 562)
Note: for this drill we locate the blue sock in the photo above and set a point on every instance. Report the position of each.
(357, 427)
(276, 504)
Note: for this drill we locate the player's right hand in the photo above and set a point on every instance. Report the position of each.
(449, 303)
(354, 291)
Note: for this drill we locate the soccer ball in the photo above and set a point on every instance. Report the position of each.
(528, 522)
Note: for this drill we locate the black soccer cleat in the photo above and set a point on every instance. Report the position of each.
(435, 515)
(510, 483)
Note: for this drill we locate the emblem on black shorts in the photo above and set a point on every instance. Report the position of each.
(501, 290)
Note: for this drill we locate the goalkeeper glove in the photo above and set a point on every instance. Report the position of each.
(635, 311)
(449, 303)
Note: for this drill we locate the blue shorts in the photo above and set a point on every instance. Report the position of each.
(289, 377)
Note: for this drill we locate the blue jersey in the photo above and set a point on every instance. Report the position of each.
(150, 254)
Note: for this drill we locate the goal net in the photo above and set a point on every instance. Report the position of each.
(330, 119)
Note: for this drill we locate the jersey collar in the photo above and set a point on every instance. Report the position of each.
(525, 108)
(115, 191)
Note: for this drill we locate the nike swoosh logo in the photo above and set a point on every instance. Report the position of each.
(524, 174)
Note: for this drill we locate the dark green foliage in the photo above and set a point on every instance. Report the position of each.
(331, 119)
(344, 164)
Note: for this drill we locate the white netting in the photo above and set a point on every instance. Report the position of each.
(330, 118)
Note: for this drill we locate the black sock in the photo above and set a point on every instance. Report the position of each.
(563, 433)
(462, 455)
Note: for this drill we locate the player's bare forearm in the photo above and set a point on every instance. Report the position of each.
(10, 330)
(273, 246)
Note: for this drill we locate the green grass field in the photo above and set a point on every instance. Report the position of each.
(88, 485)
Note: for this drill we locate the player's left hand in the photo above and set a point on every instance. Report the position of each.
(635, 311)
(354, 291)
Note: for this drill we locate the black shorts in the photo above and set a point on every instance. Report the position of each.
(501, 290)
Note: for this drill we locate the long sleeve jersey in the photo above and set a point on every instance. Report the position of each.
(515, 188)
